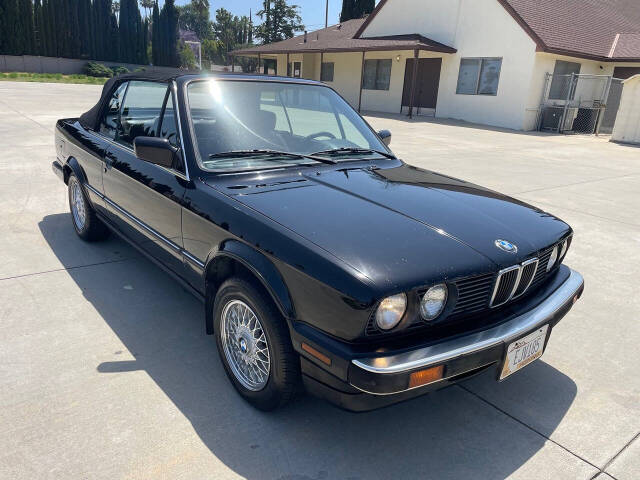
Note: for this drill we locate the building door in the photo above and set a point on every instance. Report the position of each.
(427, 80)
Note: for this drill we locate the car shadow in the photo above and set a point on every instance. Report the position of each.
(452, 433)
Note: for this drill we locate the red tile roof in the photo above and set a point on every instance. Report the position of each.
(627, 46)
(605, 30)
(340, 38)
(587, 28)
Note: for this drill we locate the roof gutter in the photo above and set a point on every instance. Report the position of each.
(344, 50)
(586, 56)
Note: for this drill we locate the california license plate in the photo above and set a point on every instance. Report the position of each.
(524, 351)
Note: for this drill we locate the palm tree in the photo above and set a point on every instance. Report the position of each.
(148, 6)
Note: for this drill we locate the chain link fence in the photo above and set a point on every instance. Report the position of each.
(575, 103)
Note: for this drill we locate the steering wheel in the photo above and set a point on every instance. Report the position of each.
(313, 136)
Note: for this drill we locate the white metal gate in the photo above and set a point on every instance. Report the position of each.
(574, 103)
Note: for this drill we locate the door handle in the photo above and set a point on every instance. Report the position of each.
(108, 162)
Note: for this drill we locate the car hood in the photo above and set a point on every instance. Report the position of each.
(402, 226)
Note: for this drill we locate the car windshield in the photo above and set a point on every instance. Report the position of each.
(246, 125)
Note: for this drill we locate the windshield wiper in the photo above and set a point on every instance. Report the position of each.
(271, 153)
(354, 150)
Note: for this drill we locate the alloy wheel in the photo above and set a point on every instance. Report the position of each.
(245, 345)
(78, 208)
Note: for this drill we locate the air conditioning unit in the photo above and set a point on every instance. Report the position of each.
(551, 118)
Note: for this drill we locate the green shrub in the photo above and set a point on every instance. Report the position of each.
(13, 75)
(119, 69)
(93, 69)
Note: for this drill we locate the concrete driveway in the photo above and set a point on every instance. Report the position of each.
(105, 371)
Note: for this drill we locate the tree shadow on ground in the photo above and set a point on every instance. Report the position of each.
(452, 433)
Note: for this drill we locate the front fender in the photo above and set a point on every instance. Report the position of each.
(261, 267)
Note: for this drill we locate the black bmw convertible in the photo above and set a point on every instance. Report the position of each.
(323, 260)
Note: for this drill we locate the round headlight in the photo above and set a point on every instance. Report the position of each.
(433, 302)
(390, 311)
(563, 250)
(552, 258)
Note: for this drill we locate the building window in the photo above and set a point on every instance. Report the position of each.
(377, 74)
(479, 76)
(562, 79)
(326, 72)
(297, 67)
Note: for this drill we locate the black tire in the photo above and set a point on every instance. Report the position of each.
(284, 371)
(87, 225)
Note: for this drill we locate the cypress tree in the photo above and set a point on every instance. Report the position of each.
(145, 42)
(155, 35)
(84, 19)
(17, 44)
(46, 29)
(348, 10)
(113, 38)
(74, 29)
(8, 27)
(124, 31)
(38, 48)
(60, 30)
(98, 26)
(52, 37)
(3, 32)
(164, 38)
(140, 29)
(25, 11)
(95, 47)
(173, 57)
(138, 34)
(367, 6)
(108, 50)
(68, 22)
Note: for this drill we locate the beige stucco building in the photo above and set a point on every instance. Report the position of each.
(482, 61)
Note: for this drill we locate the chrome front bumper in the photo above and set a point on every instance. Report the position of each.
(384, 375)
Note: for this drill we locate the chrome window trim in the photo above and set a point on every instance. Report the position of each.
(171, 86)
(231, 78)
(176, 106)
(522, 265)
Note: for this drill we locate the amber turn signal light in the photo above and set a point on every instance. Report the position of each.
(315, 353)
(423, 377)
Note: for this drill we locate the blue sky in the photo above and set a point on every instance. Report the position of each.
(311, 11)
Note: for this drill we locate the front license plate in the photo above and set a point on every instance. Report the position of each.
(524, 351)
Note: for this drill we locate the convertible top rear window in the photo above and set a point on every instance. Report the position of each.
(229, 116)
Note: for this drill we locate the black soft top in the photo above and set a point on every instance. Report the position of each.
(91, 118)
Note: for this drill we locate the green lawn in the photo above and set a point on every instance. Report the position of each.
(51, 78)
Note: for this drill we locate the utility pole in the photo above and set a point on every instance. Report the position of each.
(326, 15)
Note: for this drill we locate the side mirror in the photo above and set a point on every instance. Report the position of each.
(385, 136)
(155, 150)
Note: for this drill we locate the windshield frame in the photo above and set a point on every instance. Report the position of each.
(285, 81)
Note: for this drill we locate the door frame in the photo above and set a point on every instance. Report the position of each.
(407, 82)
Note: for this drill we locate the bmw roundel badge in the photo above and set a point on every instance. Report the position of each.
(506, 246)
